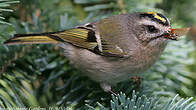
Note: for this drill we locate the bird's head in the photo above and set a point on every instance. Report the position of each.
(151, 28)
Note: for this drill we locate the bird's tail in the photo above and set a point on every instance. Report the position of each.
(32, 39)
(79, 37)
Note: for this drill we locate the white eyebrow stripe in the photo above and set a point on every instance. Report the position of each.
(154, 23)
(147, 22)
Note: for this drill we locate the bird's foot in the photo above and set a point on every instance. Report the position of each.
(107, 88)
(136, 79)
(113, 93)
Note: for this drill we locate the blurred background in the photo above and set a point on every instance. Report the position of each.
(40, 76)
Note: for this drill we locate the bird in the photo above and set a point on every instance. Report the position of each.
(112, 49)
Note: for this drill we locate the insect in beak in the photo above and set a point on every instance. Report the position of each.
(173, 34)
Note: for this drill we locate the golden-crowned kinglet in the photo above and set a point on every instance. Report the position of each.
(110, 50)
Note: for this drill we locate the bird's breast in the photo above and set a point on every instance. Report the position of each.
(145, 56)
(103, 69)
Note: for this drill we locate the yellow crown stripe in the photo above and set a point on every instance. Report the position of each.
(157, 16)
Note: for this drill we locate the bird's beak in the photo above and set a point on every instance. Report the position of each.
(173, 34)
(166, 34)
(170, 34)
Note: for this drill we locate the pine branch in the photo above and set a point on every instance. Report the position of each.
(122, 102)
(4, 4)
(42, 76)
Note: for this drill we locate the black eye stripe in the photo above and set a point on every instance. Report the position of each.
(152, 29)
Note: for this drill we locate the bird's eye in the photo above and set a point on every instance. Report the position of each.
(152, 29)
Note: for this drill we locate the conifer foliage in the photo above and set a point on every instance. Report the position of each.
(40, 76)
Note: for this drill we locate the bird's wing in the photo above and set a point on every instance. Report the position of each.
(98, 41)
(83, 36)
(111, 35)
